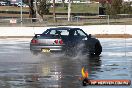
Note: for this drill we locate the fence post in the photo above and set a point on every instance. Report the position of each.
(21, 12)
(108, 17)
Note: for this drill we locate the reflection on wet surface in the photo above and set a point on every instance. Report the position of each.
(20, 69)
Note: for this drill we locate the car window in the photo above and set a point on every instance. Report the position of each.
(64, 32)
(51, 32)
(54, 32)
(76, 33)
(80, 33)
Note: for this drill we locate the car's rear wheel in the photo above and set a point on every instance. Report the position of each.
(98, 49)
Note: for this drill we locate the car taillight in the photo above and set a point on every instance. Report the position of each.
(56, 41)
(34, 41)
(61, 41)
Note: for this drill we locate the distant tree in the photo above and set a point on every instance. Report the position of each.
(32, 12)
(127, 8)
(63, 3)
(43, 8)
(26, 2)
(116, 6)
(108, 9)
(109, 1)
(102, 3)
(113, 7)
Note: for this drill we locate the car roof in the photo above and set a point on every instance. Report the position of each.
(62, 28)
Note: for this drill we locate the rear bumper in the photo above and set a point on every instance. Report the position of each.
(61, 49)
(55, 48)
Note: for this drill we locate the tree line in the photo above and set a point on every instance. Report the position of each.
(111, 7)
(114, 7)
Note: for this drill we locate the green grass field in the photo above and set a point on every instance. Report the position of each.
(12, 8)
(79, 8)
(75, 8)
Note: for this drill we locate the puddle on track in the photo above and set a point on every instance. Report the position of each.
(20, 69)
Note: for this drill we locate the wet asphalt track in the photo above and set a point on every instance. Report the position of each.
(20, 69)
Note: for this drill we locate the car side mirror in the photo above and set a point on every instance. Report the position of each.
(89, 35)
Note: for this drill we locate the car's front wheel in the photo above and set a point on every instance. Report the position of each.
(98, 49)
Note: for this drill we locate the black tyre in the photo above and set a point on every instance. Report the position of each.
(98, 49)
